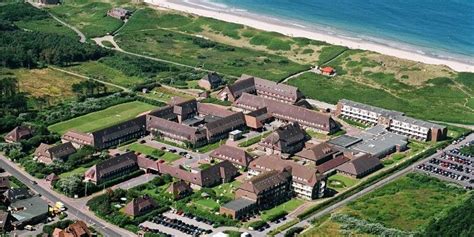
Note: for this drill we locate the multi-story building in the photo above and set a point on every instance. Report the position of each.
(263, 88)
(210, 81)
(393, 120)
(237, 156)
(192, 123)
(305, 181)
(259, 193)
(112, 168)
(288, 139)
(285, 112)
(48, 153)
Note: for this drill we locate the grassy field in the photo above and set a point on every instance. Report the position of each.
(169, 37)
(48, 25)
(408, 203)
(287, 207)
(47, 83)
(340, 182)
(103, 72)
(79, 170)
(101, 119)
(90, 17)
(207, 203)
(164, 94)
(425, 102)
(227, 189)
(155, 153)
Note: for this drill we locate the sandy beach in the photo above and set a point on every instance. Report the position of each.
(262, 23)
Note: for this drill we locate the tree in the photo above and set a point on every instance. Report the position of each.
(71, 185)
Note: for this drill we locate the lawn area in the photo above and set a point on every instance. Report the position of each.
(407, 204)
(340, 182)
(90, 17)
(287, 207)
(226, 189)
(80, 170)
(427, 101)
(316, 135)
(164, 94)
(47, 83)
(153, 152)
(102, 119)
(211, 146)
(208, 203)
(248, 142)
(145, 33)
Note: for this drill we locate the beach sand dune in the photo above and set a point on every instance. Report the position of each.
(200, 8)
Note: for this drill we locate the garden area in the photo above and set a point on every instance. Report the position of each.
(281, 210)
(104, 118)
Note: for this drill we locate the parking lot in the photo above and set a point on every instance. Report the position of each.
(173, 224)
(451, 165)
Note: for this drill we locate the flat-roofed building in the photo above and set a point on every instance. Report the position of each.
(29, 211)
(393, 120)
(238, 208)
(378, 142)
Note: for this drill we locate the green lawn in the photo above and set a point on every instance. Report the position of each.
(211, 146)
(227, 189)
(208, 203)
(339, 182)
(79, 170)
(153, 152)
(102, 119)
(425, 102)
(287, 207)
(409, 203)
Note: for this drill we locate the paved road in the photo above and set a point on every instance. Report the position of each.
(103, 227)
(373, 187)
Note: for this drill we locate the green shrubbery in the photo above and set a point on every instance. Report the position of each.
(350, 224)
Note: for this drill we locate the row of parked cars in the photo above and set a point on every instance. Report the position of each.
(180, 225)
(153, 230)
(191, 216)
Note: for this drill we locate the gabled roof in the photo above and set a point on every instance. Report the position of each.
(232, 154)
(16, 194)
(76, 229)
(4, 183)
(183, 107)
(3, 219)
(18, 133)
(215, 110)
(105, 167)
(62, 150)
(289, 133)
(212, 77)
(266, 181)
(178, 188)
(331, 164)
(317, 152)
(240, 86)
(119, 130)
(301, 174)
(359, 165)
(225, 124)
(139, 205)
(74, 136)
(51, 177)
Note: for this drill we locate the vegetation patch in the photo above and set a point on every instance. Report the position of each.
(102, 119)
(281, 210)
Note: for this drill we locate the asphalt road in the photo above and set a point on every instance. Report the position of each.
(101, 226)
(373, 187)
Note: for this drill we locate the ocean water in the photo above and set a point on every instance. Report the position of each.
(443, 28)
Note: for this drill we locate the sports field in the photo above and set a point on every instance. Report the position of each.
(101, 119)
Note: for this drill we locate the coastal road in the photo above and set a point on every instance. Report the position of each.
(394, 176)
(79, 211)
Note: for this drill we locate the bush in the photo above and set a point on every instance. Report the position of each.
(351, 224)
(294, 231)
(257, 224)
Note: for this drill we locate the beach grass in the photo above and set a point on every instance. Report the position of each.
(90, 17)
(102, 119)
(144, 36)
(425, 102)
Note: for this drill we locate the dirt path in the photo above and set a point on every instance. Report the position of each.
(82, 37)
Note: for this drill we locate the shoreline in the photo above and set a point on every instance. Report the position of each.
(293, 30)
